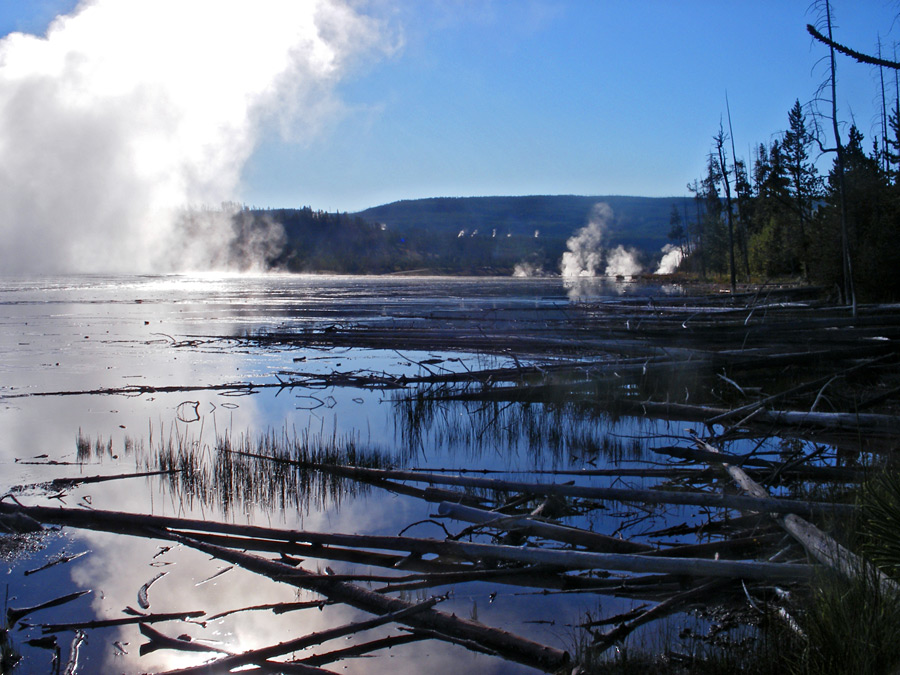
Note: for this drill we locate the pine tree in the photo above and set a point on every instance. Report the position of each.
(803, 185)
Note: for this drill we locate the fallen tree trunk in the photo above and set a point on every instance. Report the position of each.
(505, 644)
(818, 544)
(123, 621)
(569, 535)
(140, 524)
(714, 500)
(264, 653)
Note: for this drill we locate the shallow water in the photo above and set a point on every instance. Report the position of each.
(63, 339)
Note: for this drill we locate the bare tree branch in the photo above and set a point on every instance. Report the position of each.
(862, 58)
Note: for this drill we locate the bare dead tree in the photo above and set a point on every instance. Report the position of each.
(742, 225)
(723, 169)
(848, 289)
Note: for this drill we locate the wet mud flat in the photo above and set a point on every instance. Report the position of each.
(558, 482)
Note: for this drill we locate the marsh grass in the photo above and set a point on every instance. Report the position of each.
(234, 471)
(851, 626)
(880, 531)
(842, 625)
(9, 655)
(704, 641)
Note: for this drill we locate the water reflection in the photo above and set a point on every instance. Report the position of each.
(76, 335)
(546, 435)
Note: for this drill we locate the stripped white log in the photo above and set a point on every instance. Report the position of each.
(816, 543)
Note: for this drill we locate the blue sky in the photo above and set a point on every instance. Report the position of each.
(493, 97)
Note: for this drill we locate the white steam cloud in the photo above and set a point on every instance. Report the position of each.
(587, 253)
(671, 259)
(527, 269)
(128, 111)
(622, 262)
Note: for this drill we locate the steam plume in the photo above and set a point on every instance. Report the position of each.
(671, 259)
(622, 262)
(587, 252)
(127, 112)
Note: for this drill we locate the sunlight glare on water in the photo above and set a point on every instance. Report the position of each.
(125, 365)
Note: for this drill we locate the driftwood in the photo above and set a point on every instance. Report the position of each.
(584, 560)
(508, 645)
(569, 535)
(161, 641)
(260, 655)
(716, 500)
(123, 621)
(818, 544)
(759, 465)
(142, 596)
(361, 649)
(14, 614)
(59, 560)
(534, 577)
(165, 527)
(673, 604)
(74, 650)
(274, 607)
(63, 483)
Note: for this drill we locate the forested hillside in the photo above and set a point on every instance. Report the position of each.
(640, 222)
(476, 235)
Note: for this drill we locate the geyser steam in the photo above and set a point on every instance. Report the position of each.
(587, 252)
(671, 259)
(128, 111)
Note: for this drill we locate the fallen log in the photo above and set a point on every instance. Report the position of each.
(675, 603)
(361, 649)
(59, 560)
(275, 607)
(264, 653)
(714, 500)
(123, 621)
(800, 389)
(507, 645)
(160, 641)
(168, 527)
(871, 424)
(818, 544)
(575, 560)
(569, 535)
(14, 614)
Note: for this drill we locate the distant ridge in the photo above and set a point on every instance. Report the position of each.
(642, 222)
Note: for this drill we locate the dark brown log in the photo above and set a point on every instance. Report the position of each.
(361, 649)
(508, 645)
(127, 620)
(13, 614)
(263, 654)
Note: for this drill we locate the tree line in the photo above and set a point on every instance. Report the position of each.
(311, 240)
(778, 217)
